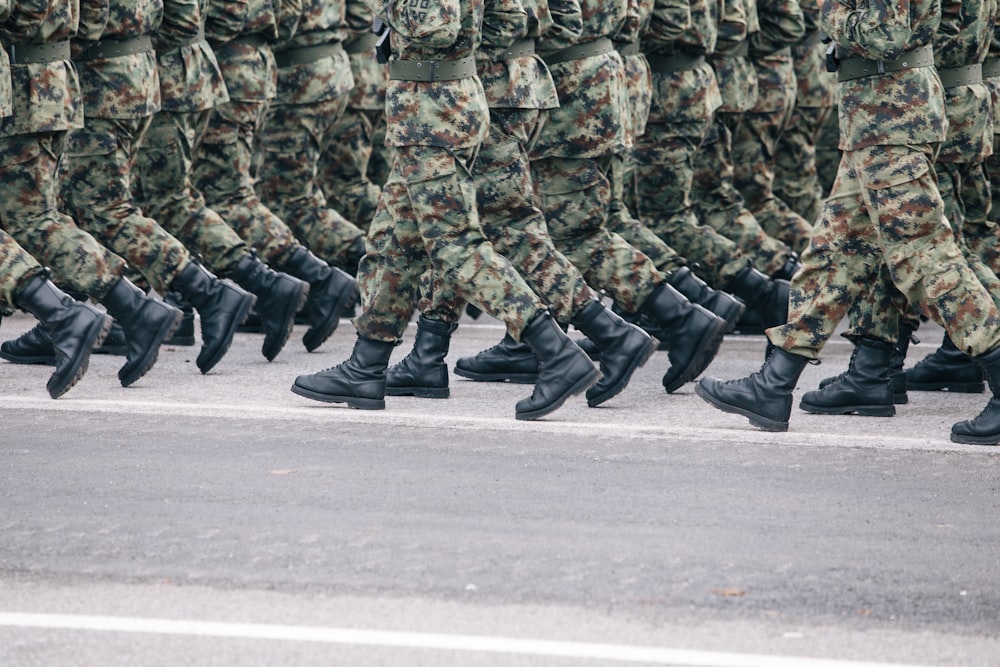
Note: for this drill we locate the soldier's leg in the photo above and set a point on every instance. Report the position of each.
(796, 178)
(344, 166)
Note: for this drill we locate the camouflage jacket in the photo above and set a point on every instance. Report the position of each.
(596, 19)
(897, 108)
(523, 82)
(781, 25)
(669, 21)
(6, 95)
(126, 86)
(190, 79)
(370, 76)
(241, 33)
(815, 87)
(638, 16)
(963, 38)
(55, 104)
(450, 114)
(319, 23)
(734, 71)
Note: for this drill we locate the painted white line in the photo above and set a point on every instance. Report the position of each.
(422, 640)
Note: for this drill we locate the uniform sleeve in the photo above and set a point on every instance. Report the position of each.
(669, 20)
(567, 22)
(4, 9)
(781, 24)
(29, 19)
(732, 25)
(434, 23)
(224, 19)
(881, 30)
(94, 15)
(289, 13)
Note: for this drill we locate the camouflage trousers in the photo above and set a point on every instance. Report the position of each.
(827, 152)
(882, 230)
(351, 170)
(664, 157)
(96, 186)
(796, 181)
(29, 212)
(720, 205)
(292, 140)
(754, 154)
(575, 194)
(514, 224)
(426, 223)
(223, 174)
(16, 266)
(164, 189)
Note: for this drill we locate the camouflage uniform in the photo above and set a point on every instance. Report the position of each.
(190, 86)
(983, 237)
(883, 219)
(717, 202)
(755, 141)
(314, 80)
(31, 145)
(426, 218)
(355, 163)
(121, 92)
(796, 178)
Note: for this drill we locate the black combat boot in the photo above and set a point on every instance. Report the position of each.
(692, 334)
(765, 397)
(563, 368)
(423, 372)
(359, 381)
(985, 428)
(507, 361)
(222, 306)
(865, 388)
(786, 272)
(896, 374)
(184, 336)
(331, 290)
(767, 298)
(697, 291)
(74, 328)
(946, 369)
(279, 297)
(146, 323)
(34, 346)
(623, 348)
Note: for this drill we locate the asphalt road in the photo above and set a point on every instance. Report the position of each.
(222, 520)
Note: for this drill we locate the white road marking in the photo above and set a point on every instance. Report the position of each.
(422, 640)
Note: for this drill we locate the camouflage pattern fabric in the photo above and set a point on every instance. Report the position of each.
(885, 208)
(16, 266)
(354, 165)
(6, 94)
(427, 216)
(983, 238)
(31, 145)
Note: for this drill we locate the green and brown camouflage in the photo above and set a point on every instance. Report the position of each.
(6, 94)
(982, 239)
(16, 267)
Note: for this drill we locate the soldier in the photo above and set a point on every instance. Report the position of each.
(755, 141)
(32, 142)
(883, 218)
(314, 82)
(241, 33)
(517, 85)
(355, 163)
(427, 221)
(984, 238)
(190, 85)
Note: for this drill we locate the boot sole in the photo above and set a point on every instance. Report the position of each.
(351, 401)
(762, 423)
(976, 439)
(271, 349)
(860, 410)
(700, 361)
(582, 384)
(152, 354)
(313, 342)
(638, 360)
(513, 378)
(28, 361)
(240, 318)
(956, 388)
(98, 331)
(418, 392)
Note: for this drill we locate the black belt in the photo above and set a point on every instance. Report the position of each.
(580, 51)
(678, 62)
(966, 75)
(628, 48)
(113, 48)
(858, 68)
(256, 40)
(306, 54)
(38, 54)
(432, 70)
(742, 50)
(519, 49)
(200, 37)
(363, 43)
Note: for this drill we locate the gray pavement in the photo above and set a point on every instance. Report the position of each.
(221, 520)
